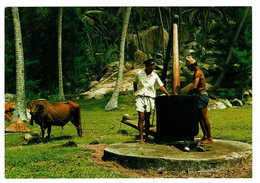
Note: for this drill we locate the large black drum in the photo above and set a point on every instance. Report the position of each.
(177, 118)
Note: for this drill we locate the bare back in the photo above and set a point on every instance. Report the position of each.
(198, 75)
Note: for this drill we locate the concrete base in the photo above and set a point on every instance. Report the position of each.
(221, 154)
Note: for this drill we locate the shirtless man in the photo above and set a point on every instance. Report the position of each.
(199, 87)
(145, 84)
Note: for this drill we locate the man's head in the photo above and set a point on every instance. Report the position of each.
(191, 63)
(149, 66)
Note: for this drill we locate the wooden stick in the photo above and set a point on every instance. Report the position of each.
(175, 61)
(134, 125)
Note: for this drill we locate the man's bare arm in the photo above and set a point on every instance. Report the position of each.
(195, 83)
(164, 91)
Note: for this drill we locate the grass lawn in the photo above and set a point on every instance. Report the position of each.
(49, 160)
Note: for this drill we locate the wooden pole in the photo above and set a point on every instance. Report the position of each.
(175, 61)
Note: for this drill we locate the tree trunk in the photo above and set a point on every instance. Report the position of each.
(224, 70)
(162, 28)
(139, 45)
(20, 109)
(112, 104)
(167, 56)
(61, 93)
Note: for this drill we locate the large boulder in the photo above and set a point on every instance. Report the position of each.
(247, 97)
(219, 104)
(237, 102)
(140, 57)
(107, 85)
(152, 40)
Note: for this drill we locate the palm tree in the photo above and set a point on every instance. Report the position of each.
(20, 110)
(202, 17)
(61, 92)
(224, 70)
(112, 104)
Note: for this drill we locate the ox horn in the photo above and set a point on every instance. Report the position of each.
(38, 100)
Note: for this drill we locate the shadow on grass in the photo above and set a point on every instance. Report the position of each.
(64, 137)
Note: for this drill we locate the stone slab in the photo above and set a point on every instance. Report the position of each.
(221, 154)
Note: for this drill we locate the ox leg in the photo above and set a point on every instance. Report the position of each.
(49, 132)
(76, 121)
(43, 132)
(78, 127)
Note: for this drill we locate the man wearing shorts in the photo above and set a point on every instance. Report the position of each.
(199, 87)
(145, 84)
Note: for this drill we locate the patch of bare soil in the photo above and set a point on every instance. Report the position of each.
(242, 171)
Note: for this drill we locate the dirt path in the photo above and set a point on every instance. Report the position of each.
(242, 171)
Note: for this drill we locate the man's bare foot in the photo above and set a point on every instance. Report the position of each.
(202, 139)
(206, 141)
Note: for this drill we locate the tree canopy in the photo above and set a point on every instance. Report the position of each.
(91, 40)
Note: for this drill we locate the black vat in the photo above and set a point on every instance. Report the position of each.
(177, 118)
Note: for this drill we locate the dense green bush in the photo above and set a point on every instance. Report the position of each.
(91, 38)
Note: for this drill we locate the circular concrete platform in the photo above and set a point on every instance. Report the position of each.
(221, 154)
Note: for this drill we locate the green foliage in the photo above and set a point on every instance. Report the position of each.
(232, 124)
(40, 161)
(227, 93)
(91, 38)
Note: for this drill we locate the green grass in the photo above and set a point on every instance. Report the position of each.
(49, 160)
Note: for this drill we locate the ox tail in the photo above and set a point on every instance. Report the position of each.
(77, 120)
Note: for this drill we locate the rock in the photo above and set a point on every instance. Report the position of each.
(214, 104)
(128, 66)
(152, 39)
(140, 57)
(107, 85)
(126, 117)
(247, 97)
(32, 138)
(36, 134)
(237, 102)
(27, 136)
(113, 67)
(93, 83)
(98, 96)
(219, 104)
(227, 103)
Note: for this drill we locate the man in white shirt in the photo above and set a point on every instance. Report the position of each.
(145, 84)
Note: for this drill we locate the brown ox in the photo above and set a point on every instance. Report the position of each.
(47, 114)
(9, 110)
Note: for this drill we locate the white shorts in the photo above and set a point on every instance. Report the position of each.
(144, 104)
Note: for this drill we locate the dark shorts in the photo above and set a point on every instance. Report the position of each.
(203, 101)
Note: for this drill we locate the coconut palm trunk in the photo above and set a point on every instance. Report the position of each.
(112, 104)
(61, 92)
(20, 110)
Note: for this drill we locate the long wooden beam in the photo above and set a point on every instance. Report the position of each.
(134, 124)
(175, 61)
